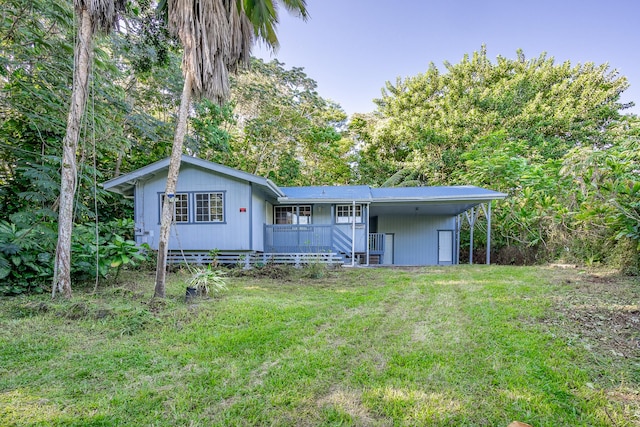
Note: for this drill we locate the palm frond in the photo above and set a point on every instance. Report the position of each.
(396, 179)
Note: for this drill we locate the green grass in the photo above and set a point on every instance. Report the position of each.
(467, 345)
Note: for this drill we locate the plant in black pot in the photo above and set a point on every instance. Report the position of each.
(204, 281)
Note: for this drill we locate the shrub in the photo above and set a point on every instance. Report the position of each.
(26, 263)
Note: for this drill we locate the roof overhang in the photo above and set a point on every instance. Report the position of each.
(435, 208)
(125, 184)
(306, 200)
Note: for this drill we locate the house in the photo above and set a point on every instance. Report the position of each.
(244, 216)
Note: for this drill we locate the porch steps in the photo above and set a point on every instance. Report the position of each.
(361, 258)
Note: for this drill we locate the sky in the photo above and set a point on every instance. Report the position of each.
(352, 47)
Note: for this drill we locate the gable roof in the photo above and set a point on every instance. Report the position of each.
(125, 184)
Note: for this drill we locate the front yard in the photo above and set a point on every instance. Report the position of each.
(466, 345)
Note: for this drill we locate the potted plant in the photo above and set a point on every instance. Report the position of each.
(205, 280)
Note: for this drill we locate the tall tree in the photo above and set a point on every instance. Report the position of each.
(531, 128)
(92, 16)
(287, 131)
(216, 36)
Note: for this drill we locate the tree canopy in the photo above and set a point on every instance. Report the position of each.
(531, 128)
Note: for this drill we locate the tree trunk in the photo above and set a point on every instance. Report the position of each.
(69, 173)
(172, 180)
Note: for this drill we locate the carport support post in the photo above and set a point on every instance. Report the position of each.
(472, 224)
(458, 225)
(365, 216)
(353, 234)
(488, 214)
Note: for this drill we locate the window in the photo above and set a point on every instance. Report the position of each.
(209, 207)
(344, 214)
(180, 207)
(292, 214)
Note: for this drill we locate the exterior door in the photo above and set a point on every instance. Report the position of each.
(387, 258)
(445, 246)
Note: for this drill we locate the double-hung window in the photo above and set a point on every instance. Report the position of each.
(209, 207)
(197, 207)
(180, 203)
(292, 214)
(345, 214)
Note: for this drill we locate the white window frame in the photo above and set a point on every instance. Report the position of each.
(209, 206)
(180, 203)
(297, 215)
(344, 214)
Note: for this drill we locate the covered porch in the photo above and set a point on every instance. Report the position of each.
(320, 238)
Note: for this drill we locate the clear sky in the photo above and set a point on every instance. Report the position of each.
(352, 47)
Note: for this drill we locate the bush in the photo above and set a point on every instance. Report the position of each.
(114, 249)
(26, 261)
(625, 257)
(314, 270)
(27, 253)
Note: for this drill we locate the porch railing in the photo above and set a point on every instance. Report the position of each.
(287, 238)
(297, 238)
(376, 243)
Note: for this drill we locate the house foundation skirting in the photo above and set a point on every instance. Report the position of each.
(252, 259)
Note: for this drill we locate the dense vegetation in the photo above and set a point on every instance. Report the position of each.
(550, 135)
(553, 136)
(466, 345)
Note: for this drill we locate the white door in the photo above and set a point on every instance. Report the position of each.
(387, 258)
(445, 246)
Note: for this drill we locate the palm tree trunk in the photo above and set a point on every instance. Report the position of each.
(69, 173)
(172, 180)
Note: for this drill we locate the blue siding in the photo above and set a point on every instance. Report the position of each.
(259, 217)
(233, 234)
(415, 237)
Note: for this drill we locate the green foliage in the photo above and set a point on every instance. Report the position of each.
(114, 249)
(549, 135)
(209, 138)
(27, 246)
(285, 130)
(205, 280)
(314, 270)
(25, 257)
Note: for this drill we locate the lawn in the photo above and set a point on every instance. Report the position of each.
(461, 346)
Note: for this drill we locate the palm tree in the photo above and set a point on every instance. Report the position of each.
(92, 16)
(216, 36)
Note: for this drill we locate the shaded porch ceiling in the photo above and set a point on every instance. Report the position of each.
(434, 208)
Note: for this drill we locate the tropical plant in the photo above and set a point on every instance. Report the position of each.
(113, 249)
(216, 37)
(205, 280)
(25, 257)
(286, 130)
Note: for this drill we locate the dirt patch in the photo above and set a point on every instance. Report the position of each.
(601, 310)
(350, 402)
